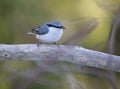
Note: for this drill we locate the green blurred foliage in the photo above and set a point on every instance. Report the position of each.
(17, 17)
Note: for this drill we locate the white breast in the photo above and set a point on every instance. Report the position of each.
(53, 35)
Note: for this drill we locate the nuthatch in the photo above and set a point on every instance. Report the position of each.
(50, 32)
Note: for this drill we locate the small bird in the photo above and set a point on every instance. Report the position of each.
(50, 32)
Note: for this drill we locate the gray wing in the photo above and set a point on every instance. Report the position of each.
(43, 29)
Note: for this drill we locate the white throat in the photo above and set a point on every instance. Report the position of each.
(53, 35)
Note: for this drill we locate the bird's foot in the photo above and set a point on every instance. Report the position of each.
(55, 43)
(38, 44)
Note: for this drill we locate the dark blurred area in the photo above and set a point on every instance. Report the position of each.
(93, 24)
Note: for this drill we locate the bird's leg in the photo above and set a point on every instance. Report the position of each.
(55, 43)
(38, 43)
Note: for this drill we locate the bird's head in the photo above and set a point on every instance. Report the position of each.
(56, 24)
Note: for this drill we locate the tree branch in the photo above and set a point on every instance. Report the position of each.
(72, 54)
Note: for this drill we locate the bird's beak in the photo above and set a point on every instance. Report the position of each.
(63, 27)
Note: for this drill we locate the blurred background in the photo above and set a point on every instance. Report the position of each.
(89, 23)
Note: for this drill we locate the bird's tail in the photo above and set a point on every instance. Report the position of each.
(33, 31)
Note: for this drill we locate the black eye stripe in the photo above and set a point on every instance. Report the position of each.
(50, 25)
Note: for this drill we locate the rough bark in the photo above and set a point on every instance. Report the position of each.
(72, 54)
